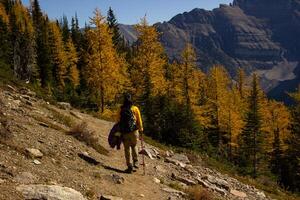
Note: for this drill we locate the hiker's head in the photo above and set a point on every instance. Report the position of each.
(127, 100)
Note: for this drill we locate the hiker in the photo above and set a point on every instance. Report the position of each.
(131, 125)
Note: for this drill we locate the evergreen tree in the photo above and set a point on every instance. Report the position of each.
(76, 33)
(251, 134)
(24, 55)
(114, 28)
(291, 164)
(276, 127)
(41, 25)
(64, 26)
(5, 43)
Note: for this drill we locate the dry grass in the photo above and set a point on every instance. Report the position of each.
(82, 133)
(48, 123)
(61, 118)
(199, 193)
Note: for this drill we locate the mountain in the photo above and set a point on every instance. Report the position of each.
(259, 36)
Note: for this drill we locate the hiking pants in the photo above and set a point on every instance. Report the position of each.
(130, 141)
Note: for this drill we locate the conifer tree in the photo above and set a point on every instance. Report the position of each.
(76, 33)
(290, 177)
(64, 26)
(148, 70)
(72, 60)
(114, 27)
(58, 55)
(104, 70)
(218, 96)
(24, 55)
(41, 26)
(251, 136)
(5, 43)
(189, 82)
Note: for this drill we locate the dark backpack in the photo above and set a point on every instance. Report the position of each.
(127, 121)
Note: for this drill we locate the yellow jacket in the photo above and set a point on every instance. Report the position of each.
(137, 116)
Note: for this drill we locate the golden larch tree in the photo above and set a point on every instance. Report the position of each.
(58, 54)
(105, 70)
(72, 60)
(148, 70)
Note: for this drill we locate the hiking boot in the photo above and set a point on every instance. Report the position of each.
(136, 165)
(129, 170)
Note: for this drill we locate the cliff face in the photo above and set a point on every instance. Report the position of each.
(259, 36)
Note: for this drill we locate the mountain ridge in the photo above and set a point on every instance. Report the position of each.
(258, 36)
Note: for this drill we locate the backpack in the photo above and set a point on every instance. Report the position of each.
(127, 121)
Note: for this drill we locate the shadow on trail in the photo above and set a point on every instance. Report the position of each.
(114, 169)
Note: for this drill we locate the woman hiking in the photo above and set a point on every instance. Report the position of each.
(131, 126)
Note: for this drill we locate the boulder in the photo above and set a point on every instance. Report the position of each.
(109, 197)
(184, 180)
(34, 153)
(217, 181)
(181, 157)
(148, 152)
(49, 192)
(175, 162)
(64, 105)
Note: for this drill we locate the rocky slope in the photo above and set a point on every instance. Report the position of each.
(257, 35)
(39, 160)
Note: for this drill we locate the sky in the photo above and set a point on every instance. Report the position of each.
(126, 11)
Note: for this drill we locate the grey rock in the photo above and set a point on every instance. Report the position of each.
(148, 152)
(175, 162)
(64, 105)
(34, 153)
(49, 192)
(217, 181)
(109, 197)
(181, 157)
(184, 180)
(117, 179)
(171, 190)
(261, 194)
(37, 162)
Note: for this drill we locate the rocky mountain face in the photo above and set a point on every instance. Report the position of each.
(259, 36)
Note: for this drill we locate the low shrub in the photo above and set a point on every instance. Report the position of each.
(82, 133)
